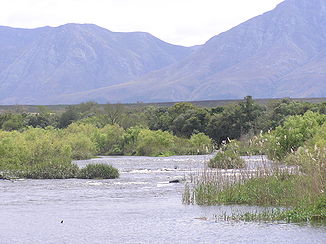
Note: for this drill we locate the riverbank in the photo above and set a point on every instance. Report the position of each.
(48, 153)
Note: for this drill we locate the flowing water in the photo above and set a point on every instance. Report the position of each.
(139, 207)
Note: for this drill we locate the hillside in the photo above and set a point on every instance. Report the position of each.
(43, 63)
(280, 53)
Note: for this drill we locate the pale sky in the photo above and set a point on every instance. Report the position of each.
(183, 22)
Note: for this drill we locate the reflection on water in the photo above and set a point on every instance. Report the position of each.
(139, 207)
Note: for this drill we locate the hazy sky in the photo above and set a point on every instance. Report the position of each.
(184, 22)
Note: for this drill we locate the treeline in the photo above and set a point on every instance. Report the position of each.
(34, 144)
(234, 121)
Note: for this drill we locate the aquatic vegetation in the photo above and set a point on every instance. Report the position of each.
(274, 190)
(313, 213)
(302, 193)
(98, 171)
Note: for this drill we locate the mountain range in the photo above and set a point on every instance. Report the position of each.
(281, 53)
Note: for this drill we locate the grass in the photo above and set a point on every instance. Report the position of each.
(268, 191)
(272, 190)
(313, 213)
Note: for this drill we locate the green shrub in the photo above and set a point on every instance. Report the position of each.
(46, 146)
(228, 157)
(154, 143)
(33, 146)
(49, 171)
(111, 141)
(293, 134)
(226, 160)
(201, 143)
(81, 146)
(14, 150)
(98, 171)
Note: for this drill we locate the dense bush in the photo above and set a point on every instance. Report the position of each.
(154, 143)
(293, 134)
(32, 147)
(111, 140)
(82, 146)
(98, 171)
(202, 143)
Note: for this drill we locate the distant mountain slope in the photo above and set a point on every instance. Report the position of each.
(280, 53)
(43, 63)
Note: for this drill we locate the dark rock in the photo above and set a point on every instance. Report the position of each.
(174, 181)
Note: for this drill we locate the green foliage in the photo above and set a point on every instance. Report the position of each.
(202, 142)
(144, 142)
(154, 143)
(98, 171)
(293, 134)
(299, 141)
(236, 121)
(279, 110)
(77, 112)
(113, 113)
(89, 129)
(50, 170)
(228, 157)
(112, 140)
(14, 149)
(226, 160)
(249, 146)
(183, 119)
(68, 117)
(31, 147)
(10, 121)
(189, 122)
(82, 146)
(45, 153)
(83, 140)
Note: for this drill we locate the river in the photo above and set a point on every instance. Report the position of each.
(139, 207)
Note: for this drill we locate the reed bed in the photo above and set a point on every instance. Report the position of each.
(211, 181)
(292, 193)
